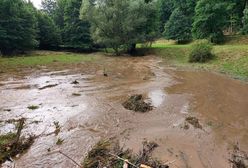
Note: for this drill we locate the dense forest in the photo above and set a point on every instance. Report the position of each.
(116, 24)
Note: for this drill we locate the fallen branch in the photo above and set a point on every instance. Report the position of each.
(19, 131)
(58, 151)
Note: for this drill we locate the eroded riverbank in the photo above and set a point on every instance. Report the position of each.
(91, 109)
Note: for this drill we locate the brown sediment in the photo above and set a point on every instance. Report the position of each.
(218, 102)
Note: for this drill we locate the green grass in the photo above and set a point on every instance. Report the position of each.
(229, 59)
(33, 107)
(7, 138)
(44, 58)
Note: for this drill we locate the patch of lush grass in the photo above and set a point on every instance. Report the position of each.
(230, 59)
(7, 138)
(33, 107)
(42, 58)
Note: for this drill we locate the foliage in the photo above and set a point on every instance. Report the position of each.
(210, 20)
(201, 51)
(58, 17)
(48, 34)
(245, 22)
(48, 6)
(178, 27)
(165, 9)
(120, 24)
(180, 22)
(17, 26)
(76, 31)
(235, 14)
(186, 6)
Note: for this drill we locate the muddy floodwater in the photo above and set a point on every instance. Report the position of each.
(88, 107)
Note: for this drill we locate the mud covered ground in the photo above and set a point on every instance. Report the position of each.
(71, 107)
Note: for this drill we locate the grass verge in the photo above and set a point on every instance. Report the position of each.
(43, 58)
(229, 59)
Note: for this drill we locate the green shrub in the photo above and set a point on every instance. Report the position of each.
(201, 51)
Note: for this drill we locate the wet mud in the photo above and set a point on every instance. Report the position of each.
(84, 105)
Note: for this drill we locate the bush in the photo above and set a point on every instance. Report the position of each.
(201, 51)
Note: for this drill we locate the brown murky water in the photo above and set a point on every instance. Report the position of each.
(91, 110)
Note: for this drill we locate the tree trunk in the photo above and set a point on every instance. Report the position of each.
(132, 49)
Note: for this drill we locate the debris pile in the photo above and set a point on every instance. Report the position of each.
(12, 144)
(194, 121)
(239, 159)
(137, 103)
(105, 154)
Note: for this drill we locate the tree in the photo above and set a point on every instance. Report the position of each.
(48, 6)
(17, 26)
(180, 22)
(59, 13)
(121, 24)
(245, 22)
(165, 9)
(178, 27)
(76, 31)
(48, 34)
(210, 20)
(236, 12)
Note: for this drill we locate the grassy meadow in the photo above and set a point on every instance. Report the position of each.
(230, 58)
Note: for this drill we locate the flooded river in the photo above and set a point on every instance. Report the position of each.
(88, 107)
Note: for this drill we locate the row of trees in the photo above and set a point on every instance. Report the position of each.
(22, 27)
(119, 24)
(184, 20)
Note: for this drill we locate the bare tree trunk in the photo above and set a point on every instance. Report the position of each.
(132, 49)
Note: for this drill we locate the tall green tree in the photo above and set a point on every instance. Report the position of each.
(121, 24)
(210, 20)
(48, 32)
(245, 22)
(17, 26)
(236, 12)
(180, 22)
(178, 27)
(76, 31)
(165, 9)
(59, 13)
(48, 6)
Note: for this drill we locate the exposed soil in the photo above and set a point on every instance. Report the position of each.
(95, 112)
